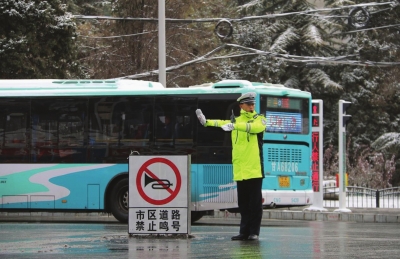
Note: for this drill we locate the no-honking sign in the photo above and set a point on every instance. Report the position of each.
(150, 184)
(159, 195)
(158, 180)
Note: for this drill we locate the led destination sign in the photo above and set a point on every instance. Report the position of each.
(284, 122)
(285, 103)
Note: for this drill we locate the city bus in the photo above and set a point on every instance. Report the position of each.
(64, 144)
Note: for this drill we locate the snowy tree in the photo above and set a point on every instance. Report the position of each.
(37, 40)
(373, 90)
(123, 48)
(372, 169)
(297, 34)
(388, 142)
(303, 32)
(389, 146)
(88, 7)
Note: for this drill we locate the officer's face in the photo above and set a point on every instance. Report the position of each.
(248, 107)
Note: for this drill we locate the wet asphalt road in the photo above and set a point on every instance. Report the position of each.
(278, 239)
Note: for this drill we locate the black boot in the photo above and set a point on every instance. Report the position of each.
(239, 237)
(252, 237)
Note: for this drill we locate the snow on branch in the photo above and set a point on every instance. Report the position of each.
(338, 60)
(387, 141)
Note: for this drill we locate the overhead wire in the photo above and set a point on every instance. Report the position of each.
(117, 36)
(267, 16)
(249, 51)
(302, 60)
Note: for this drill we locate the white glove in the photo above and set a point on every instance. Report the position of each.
(228, 127)
(201, 117)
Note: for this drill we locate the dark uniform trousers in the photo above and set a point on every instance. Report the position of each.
(250, 205)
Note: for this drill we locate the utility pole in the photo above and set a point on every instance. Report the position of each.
(162, 64)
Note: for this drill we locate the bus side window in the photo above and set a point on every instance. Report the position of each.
(58, 129)
(178, 127)
(165, 126)
(14, 130)
(183, 127)
(117, 126)
(139, 131)
(219, 110)
(214, 144)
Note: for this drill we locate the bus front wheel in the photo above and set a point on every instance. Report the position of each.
(119, 200)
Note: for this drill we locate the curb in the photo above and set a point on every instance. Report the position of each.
(364, 217)
(357, 215)
(56, 217)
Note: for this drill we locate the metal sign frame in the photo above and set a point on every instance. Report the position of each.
(159, 195)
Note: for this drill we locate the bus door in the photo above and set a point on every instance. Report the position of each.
(175, 124)
(215, 186)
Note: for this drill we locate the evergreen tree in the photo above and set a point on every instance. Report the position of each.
(37, 40)
(297, 34)
(88, 7)
(373, 90)
(305, 33)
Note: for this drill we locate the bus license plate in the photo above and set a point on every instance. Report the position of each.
(284, 181)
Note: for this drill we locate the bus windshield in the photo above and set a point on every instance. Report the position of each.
(285, 114)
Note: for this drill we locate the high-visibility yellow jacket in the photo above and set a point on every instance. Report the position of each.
(246, 144)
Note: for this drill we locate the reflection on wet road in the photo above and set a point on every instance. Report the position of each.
(279, 239)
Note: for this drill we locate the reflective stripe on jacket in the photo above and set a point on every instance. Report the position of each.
(246, 144)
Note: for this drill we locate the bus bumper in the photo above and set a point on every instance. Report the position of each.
(287, 198)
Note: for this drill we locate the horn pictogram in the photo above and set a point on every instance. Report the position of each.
(160, 183)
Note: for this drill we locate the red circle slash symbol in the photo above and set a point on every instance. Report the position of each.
(145, 169)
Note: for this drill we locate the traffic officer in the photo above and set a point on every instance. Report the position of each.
(247, 160)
